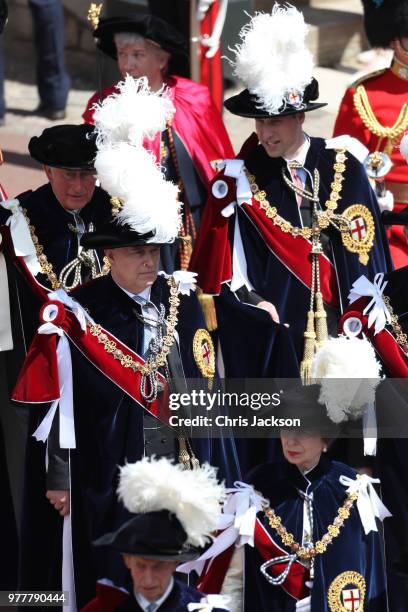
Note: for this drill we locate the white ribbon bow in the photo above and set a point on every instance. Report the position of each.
(208, 603)
(20, 234)
(186, 281)
(60, 295)
(369, 505)
(237, 523)
(379, 315)
(65, 400)
(234, 168)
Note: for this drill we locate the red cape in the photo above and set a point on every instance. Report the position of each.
(197, 122)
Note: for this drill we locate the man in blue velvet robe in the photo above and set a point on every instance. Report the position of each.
(63, 209)
(158, 323)
(46, 226)
(110, 426)
(290, 217)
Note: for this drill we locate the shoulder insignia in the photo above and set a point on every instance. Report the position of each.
(347, 592)
(367, 77)
(359, 238)
(204, 354)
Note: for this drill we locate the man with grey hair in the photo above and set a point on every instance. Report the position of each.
(195, 138)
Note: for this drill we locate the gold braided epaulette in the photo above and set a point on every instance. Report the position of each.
(367, 77)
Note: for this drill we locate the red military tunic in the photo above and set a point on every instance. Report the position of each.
(197, 122)
(387, 93)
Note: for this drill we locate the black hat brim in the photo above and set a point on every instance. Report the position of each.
(154, 535)
(302, 402)
(149, 26)
(115, 542)
(245, 105)
(114, 236)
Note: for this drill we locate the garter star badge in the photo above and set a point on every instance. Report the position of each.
(204, 354)
(359, 238)
(347, 592)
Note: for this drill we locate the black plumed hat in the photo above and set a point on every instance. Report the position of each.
(113, 235)
(246, 105)
(65, 146)
(149, 26)
(153, 535)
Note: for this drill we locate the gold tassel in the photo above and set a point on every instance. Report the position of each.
(208, 307)
(322, 334)
(184, 457)
(308, 349)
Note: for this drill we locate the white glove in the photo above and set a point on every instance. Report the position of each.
(386, 202)
(304, 605)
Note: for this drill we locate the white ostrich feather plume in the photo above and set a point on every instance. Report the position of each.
(273, 59)
(404, 147)
(132, 114)
(149, 201)
(194, 496)
(348, 372)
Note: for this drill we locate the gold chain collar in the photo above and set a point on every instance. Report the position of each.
(400, 337)
(324, 217)
(160, 360)
(319, 547)
(47, 267)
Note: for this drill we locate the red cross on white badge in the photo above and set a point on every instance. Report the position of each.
(351, 599)
(294, 98)
(205, 349)
(358, 229)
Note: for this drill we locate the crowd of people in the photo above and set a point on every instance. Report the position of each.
(155, 262)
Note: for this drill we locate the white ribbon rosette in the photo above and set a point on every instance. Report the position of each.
(378, 313)
(237, 524)
(369, 505)
(186, 281)
(20, 234)
(65, 401)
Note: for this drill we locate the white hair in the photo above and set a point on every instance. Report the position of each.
(130, 38)
(127, 38)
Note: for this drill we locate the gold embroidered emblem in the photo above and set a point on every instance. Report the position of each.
(360, 236)
(204, 354)
(347, 592)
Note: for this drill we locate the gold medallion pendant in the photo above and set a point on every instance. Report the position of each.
(204, 354)
(360, 236)
(347, 592)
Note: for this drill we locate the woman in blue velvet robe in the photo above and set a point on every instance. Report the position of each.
(306, 491)
(351, 551)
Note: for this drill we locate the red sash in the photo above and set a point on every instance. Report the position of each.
(38, 378)
(215, 570)
(294, 253)
(212, 252)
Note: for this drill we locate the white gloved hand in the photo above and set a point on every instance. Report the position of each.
(304, 605)
(386, 202)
